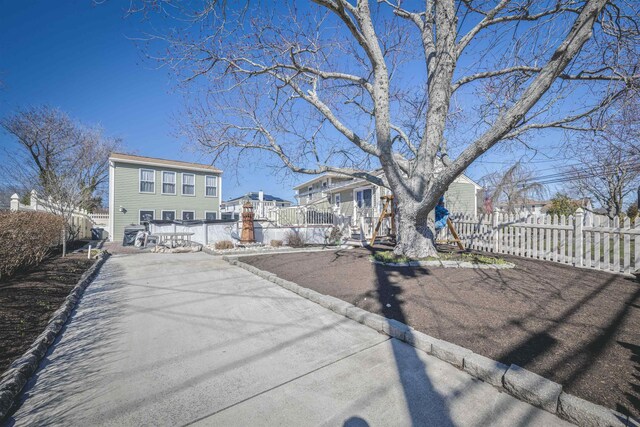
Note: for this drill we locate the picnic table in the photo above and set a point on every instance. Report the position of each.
(173, 239)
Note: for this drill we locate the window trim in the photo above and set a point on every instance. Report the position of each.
(182, 193)
(140, 181)
(208, 186)
(213, 212)
(337, 200)
(182, 214)
(162, 211)
(175, 183)
(145, 210)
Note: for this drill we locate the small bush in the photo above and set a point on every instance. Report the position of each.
(334, 236)
(26, 238)
(224, 244)
(294, 240)
(276, 243)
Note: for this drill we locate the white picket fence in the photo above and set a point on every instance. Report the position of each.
(576, 240)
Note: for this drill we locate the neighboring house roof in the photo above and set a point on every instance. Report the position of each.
(464, 178)
(255, 196)
(319, 178)
(377, 172)
(154, 161)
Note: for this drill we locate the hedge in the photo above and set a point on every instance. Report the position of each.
(26, 238)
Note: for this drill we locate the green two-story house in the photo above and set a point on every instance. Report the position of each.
(146, 188)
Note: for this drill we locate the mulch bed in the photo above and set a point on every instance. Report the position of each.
(578, 327)
(28, 299)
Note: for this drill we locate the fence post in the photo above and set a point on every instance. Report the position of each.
(33, 200)
(15, 202)
(495, 241)
(205, 230)
(577, 233)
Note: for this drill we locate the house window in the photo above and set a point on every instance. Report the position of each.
(147, 181)
(146, 216)
(188, 184)
(310, 195)
(336, 200)
(363, 198)
(188, 215)
(211, 215)
(169, 215)
(211, 186)
(168, 182)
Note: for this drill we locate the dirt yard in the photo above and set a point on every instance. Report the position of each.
(28, 299)
(578, 327)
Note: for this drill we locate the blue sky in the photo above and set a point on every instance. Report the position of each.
(79, 57)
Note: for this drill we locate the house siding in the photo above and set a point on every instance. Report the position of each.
(126, 194)
(346, 202)
(461, 198)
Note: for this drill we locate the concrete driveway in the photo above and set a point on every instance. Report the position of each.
(183, 339)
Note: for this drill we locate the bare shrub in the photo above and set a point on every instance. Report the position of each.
(26, 238)
(224, 244)
(276, 243)
(294, 240)
(334, 235)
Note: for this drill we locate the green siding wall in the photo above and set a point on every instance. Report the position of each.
(346, 202)
(126, 194)
(461, 198)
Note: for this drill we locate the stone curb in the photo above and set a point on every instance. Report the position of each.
(518, 382)
(532, 388)
(19, 372)
(210, 251)
(445, 264)
(587, 414)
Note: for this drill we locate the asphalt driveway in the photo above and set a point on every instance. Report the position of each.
(183, 339)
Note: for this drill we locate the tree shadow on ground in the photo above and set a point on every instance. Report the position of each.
(571, 367)
(85, 339)
(425, 405)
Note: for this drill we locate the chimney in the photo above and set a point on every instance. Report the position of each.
(261, 195)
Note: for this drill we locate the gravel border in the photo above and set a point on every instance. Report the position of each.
(514, 380)
(445, 264)
(19, 372)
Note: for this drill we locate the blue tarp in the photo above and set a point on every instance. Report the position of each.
(441, 215)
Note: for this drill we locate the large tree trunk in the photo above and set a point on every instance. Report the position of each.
(416, 232)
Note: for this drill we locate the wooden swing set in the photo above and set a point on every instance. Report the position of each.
(389, 212)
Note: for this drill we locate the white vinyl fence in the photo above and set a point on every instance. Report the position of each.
(209, 233)
(299, 216)
(577, 240)
(80, 220)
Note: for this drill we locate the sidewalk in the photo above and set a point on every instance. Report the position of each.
(183, 339)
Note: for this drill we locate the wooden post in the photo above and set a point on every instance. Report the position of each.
(454, 234)
(578, 238)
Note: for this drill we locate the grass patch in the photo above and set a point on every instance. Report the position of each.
(390, 257)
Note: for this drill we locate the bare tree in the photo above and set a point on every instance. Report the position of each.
(49, 146)
(342, 85)
(66, 195)
(607, 172)
(513, 188)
